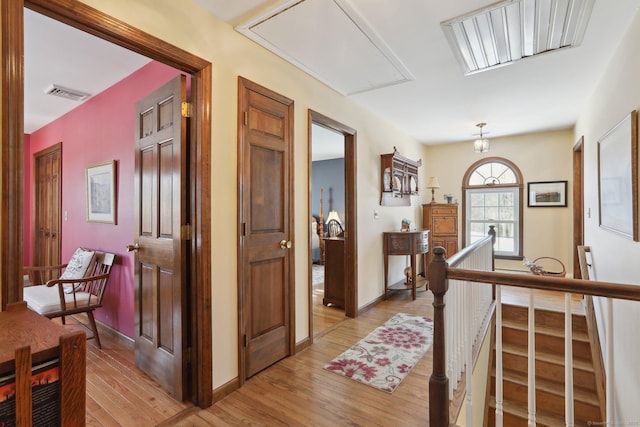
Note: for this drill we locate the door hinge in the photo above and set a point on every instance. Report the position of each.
(244, 229)
(186, 109)
(246, 340)
(185, 232)
(246, 118)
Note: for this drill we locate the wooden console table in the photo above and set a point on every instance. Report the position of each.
(410, 243)
(29, 341)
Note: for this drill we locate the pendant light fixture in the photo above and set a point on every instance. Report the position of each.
(481, 145)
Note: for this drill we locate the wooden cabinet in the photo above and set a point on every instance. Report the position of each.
(398, 179)
(412, 243)
(45, 367)
(441, 219)
(334, 272)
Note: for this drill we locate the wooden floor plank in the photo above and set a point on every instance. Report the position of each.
(296, 391)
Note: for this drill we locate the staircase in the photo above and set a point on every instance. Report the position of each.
(550, 402)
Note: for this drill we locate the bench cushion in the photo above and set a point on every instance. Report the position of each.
(45, 300)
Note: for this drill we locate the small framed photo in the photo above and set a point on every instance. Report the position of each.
(101, 192)
(547, 194)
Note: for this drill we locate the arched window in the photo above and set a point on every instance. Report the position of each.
(492, 195)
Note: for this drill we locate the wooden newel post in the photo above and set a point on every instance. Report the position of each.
(438, 383)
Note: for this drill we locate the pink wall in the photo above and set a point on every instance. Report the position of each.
(100, 130)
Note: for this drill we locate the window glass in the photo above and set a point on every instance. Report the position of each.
(487, 205)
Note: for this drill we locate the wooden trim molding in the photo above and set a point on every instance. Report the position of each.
(351, 225)
(93, 21)
(519, 184)
(11, 151)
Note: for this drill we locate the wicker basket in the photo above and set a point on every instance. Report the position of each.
(538, 269)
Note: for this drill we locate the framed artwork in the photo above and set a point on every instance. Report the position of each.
(101, 192)
(547, 194)
(618, 178)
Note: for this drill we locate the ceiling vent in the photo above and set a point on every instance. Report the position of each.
(511, 30)
(64, 92)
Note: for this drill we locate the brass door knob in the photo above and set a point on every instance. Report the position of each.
(285, 244)
(133, 247)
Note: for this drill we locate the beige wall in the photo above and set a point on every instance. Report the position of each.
(189, 27)
(545, 156)
(615, 258)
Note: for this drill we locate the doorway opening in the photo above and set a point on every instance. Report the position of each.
(85, 18)
(332, 224)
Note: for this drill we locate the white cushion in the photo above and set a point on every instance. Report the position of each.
(77, 267)
(44, 299)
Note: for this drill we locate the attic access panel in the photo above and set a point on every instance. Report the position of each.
(330, 41)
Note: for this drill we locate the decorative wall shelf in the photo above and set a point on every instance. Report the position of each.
(399, 179)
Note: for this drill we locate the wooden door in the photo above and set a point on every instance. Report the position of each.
(161, 238)
(265, 266)
(48, 207)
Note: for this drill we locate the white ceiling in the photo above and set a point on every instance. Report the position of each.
(440, 105)
(59, 54)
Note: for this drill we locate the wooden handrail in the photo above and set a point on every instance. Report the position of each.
(549, 283)
(440, 272)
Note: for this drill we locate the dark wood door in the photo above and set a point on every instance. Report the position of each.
(266, 225)
(161, 237)
(48, 207)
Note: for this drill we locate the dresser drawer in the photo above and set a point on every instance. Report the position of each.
(444, 210)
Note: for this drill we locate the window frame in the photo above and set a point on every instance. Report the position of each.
(518, 186)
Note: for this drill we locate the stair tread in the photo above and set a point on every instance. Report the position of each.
(547, 357)
(545, 330)
(520, 410)
(554, 387)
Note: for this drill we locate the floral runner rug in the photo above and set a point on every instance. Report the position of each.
(386, 356)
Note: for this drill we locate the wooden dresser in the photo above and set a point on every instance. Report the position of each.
(441, 219)
(334, 271)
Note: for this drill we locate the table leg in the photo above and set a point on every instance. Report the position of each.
(413, 276)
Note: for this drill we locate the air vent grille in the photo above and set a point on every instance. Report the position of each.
(64, 92)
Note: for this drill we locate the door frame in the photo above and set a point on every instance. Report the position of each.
(351, 225)
(578, 204)
(99, 24)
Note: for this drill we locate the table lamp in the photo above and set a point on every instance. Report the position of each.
(433, 184)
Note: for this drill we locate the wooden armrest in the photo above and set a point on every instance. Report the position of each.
(54, 282)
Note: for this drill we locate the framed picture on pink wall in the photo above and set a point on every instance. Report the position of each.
(101, 192)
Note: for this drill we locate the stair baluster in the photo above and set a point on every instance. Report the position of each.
(498, 356)
(568, 361)
(531, 357)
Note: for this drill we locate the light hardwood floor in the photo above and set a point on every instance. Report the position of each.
(297, 391)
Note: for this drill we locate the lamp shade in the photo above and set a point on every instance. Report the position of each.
(481, 145)
(433, 182)
(333, 215)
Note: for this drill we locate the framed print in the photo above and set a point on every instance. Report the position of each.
(547, 194)
(101, 192)
(618, 178)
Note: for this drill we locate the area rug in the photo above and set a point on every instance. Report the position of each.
(386, 356)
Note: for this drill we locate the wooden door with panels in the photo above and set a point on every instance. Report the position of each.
(47, 240)
(161, 326)
(265, 254)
